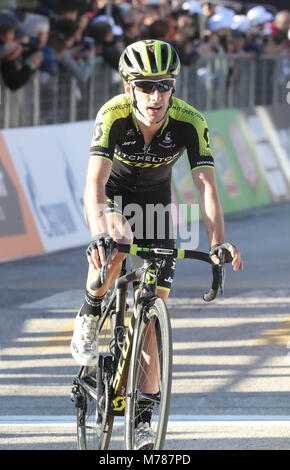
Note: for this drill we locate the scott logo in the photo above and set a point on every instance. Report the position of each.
(119, 403)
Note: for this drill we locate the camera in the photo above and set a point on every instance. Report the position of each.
(88, 43)
(31, 46)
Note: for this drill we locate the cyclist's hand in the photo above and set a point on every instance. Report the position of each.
(96, 251)
(231, 255)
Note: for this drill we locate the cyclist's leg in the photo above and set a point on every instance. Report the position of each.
(151, 374)
(120, 230)
(84, 345)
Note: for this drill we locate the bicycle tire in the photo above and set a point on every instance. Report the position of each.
(92, 435)
(157, 315)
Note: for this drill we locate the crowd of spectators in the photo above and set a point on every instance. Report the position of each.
(68, 35)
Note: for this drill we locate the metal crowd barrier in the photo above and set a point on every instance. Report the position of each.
(215, 81)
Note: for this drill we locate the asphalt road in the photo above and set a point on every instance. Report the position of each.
(231, 375)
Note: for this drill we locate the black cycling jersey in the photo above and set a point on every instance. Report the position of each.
(138, 167)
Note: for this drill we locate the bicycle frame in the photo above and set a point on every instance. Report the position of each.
(147, 275)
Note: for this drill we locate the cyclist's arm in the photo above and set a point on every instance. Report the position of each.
(210, 206)
(203, 173)
(213, 217)
(94, 196)
(99, 168)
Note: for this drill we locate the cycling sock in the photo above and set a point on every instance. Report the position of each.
(144, 411)
(92, 305)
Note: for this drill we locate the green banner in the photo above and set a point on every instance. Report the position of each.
(239, 178)
(240, 181)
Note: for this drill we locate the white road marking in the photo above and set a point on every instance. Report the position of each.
(179, 420)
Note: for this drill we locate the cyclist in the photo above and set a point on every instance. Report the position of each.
(138, 136)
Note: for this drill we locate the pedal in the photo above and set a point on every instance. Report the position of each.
(109, 364)
(77, 396)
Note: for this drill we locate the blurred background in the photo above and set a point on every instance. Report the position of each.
(59, 59)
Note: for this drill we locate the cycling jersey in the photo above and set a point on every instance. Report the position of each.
(161, 233)
(140, 167)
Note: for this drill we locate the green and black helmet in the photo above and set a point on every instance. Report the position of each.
(148, 58)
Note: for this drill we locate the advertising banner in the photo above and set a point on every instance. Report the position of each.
(276, 120)
(51, 163)
(18, 232)
(260, 132)
(239, 176)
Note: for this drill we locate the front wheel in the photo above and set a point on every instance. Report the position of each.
(94, 423)
(94, 419)
(149, 380)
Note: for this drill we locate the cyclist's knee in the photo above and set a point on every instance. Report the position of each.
(163, 294)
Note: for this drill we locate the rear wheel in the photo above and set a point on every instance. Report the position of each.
(150, 374)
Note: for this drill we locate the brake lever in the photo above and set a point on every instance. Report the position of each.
(103, 274)
(222, 270)
(105, 268)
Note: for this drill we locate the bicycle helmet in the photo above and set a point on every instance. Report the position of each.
(148, 58)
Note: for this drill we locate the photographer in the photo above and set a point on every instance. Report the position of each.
(37, 28)
(18, 66)
(108, 39)
(77, 61)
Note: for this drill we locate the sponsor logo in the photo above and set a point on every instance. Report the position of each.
(132, 142)
(98, 132)
(119, 403)
(167, 138)
(146, 148)
(189, 112)
(130, 133)
(204, 163)
(100, 153)
(167, 141)
(146, 160)
(114, 108)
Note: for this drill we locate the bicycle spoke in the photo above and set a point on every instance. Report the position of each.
(150, 372)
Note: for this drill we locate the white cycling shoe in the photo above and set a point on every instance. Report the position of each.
(84, 343)
(144, 437)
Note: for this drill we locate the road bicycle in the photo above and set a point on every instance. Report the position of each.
(128, 381)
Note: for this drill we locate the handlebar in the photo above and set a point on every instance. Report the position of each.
(218, 270)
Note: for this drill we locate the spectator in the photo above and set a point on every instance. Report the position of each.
(185, 39)
(257, 41)
(18, 66)
(218, 31)
(131, 24)
(159, 29)
(208, 9)
(78, 62)
(240, 29)
(67, 9)
(110, 46)
(37, 28)
(83, 22)
(9, 47)
(192, 7)
(280, 32)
